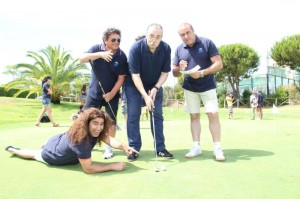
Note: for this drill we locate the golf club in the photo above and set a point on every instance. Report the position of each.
(156, 168)
(93, 68)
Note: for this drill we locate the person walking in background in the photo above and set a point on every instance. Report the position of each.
(199, 85)
(83, 95)
(229, 100)
(253, 103)
(260, 104)
(110, 69)
(46, 101)
(75, 146)
(149, 65)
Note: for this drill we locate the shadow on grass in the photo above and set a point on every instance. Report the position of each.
(232, 155)
(148, 156)
(130, 168)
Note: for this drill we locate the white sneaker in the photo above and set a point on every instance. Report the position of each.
(195, 151)
(219, 155)
(108, 153)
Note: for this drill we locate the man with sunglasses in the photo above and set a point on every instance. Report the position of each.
(149, 65)
(109, 71)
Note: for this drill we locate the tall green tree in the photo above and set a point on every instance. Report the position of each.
(287, 52)
(52, 61)
(239, 61)
(179, 92)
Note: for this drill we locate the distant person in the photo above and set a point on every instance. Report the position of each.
(253, 103)
(83, 92)
(149, 65)
(46, 101)
(111, 67)
(229, 100)
(76, 145)
(260, 104)
(199, 85)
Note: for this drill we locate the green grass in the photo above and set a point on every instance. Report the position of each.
(263, 158)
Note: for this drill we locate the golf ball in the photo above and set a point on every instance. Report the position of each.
(163, 168)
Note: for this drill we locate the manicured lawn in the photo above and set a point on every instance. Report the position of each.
(263, 158)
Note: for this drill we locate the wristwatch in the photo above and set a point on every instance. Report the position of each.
(156, 88)
(201, 73)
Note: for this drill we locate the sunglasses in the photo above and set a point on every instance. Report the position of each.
(114, 40)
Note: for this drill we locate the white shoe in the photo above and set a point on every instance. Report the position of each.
(108, 153)
(219, 155)
(195, 151)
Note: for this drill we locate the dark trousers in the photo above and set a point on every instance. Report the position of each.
(114, 103)
(134, 104)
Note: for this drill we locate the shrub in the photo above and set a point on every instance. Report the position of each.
(11, 93)
(246, 97)
(294, 94)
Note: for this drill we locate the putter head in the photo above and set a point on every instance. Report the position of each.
(156, 169)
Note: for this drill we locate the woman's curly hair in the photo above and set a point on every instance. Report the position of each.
(79, 131)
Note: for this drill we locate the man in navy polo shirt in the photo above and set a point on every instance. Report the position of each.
(111, 67)
(149, 64)
(199, 85)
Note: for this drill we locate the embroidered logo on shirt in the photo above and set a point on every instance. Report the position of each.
(115, 64)
(200, 50)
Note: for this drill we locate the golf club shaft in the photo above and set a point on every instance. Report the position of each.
(93, 68)
(154, 136)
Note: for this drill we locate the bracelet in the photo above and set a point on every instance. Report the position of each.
(156, 88)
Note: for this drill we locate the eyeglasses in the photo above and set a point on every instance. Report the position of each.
(114, 40)
(156, 37)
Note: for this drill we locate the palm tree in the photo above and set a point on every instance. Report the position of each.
(55, 62)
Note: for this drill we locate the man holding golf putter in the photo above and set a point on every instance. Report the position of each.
(109, 68)
(149, 64)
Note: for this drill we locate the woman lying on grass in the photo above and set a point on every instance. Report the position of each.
(77, 143)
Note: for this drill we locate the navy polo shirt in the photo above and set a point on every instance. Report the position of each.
(60, 151)
(149, 65)
(199, 54)
(108, 72)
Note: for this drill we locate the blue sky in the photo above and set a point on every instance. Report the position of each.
(31, 25)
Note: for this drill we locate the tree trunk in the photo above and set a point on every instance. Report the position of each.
(237, 93)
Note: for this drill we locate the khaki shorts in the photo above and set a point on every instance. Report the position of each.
(193, 101)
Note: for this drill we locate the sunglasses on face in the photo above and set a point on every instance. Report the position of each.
(114, 40)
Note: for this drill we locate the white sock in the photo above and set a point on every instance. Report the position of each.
(196, 144)
(217, 145)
